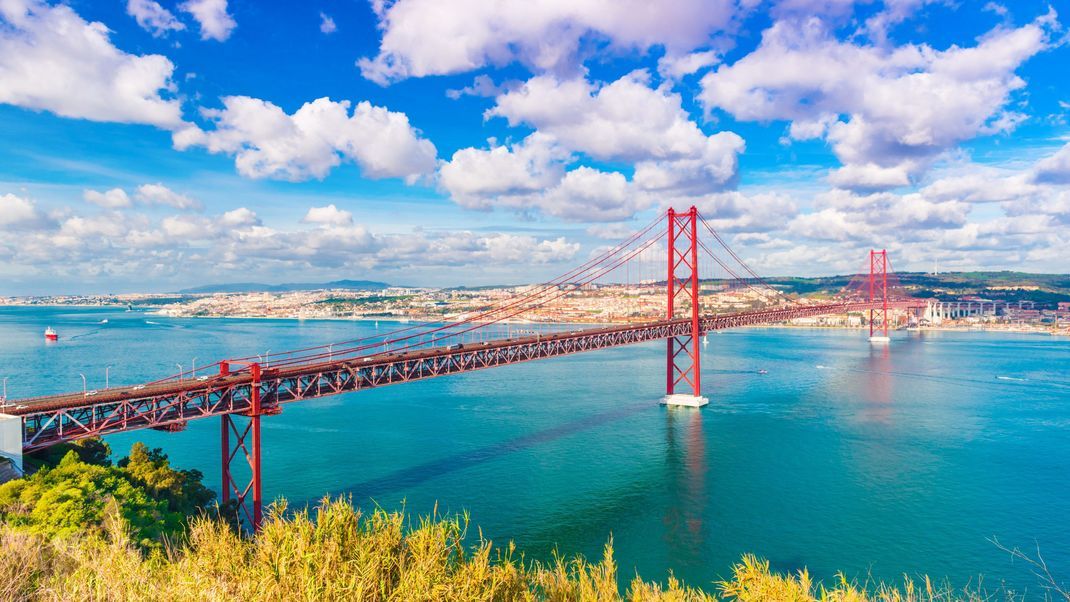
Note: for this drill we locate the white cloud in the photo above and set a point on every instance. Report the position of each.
(674, 67)
(436, 37)
(712, 168)
(114, 245)
(996, 8)
(871, 176)
(239, 217)
(980, 186)
(186, 227)
(146, 194)
(116, 198)
(215, 22)
(587, 194)
(894, 12)
(475, 177)
(887, 112)
(53, 60)
(1054, 169)
(1036, 190)
(623, 120)
(158, 194)
(153, 18)
(533, 175)
(330, 215)
(829, 225)
(627, 120)
(736, 211)
(483, 86)
(327, 23)
(82, 230)
(1017, 222)
(18, 212)
(268, 143)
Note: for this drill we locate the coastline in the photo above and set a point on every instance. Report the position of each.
(423, 320)
(157, 312)
(73, 305)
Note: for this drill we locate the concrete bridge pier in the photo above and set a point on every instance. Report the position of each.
(11, 440)
(684, 400)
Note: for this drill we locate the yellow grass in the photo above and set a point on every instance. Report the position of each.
(335, 552)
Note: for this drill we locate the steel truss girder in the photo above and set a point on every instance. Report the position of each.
(44, 428)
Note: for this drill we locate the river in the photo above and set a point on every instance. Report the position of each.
(874, 461)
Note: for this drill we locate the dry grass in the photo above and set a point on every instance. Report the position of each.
(335, 552)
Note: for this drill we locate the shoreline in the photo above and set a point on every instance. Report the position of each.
(1012, 330)
(156, 312)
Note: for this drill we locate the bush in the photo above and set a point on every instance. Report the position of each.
(70, 498)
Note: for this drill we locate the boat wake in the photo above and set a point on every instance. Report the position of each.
(84, 334)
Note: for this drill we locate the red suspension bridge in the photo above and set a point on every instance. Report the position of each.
(242, 391)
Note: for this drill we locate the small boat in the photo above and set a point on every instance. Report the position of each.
(104, 321)
(51, 335)
(763, 371)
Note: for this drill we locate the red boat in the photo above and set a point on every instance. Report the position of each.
(50, 334)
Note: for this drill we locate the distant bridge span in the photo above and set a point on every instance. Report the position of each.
(254, 390)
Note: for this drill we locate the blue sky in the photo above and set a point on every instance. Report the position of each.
(154, 144)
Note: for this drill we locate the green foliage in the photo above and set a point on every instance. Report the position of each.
(91, 451)
(72, 496)
(182, 489)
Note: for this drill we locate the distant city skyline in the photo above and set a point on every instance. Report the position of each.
(158, 145)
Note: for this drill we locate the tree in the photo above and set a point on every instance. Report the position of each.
(91, 451)
(72, 496)
(182, 489)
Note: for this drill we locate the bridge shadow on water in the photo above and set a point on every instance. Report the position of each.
(415, 475)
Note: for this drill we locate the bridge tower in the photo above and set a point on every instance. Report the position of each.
(878, 290)
(248, 498)
(683, 365)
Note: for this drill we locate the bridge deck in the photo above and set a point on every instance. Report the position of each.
(169, 405)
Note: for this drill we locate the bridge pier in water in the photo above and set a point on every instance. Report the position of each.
(878, 286)
(246, 440)
(683, 366)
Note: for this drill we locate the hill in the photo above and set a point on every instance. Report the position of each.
(256, 287)
(1046, 289)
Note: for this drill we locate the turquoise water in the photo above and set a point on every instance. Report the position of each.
(843, 457)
